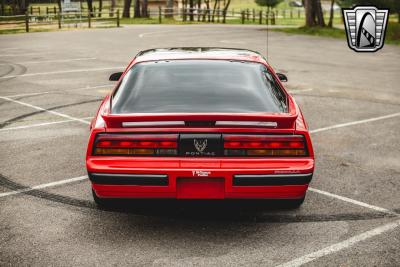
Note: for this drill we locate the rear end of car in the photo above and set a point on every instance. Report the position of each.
(174, 134)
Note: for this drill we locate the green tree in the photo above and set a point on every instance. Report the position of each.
(393, 5)
(268, 3)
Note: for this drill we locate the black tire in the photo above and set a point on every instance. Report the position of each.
(101, 202)
(294, 203)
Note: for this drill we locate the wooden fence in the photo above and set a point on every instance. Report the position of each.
(60, 20)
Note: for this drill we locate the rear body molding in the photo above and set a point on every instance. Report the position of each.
(272, 179)
(129, 179)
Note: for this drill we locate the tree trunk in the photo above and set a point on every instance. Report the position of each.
(207, 11)
(127, 9)
(308, 6)
(215, 8)
(225, 10)
(184, 10)
(191, 6)
(137, 12)
(198, 10)
(90, 7)
(314, 14)
(144, 9)
(112, 8)
(2, 7)
(23, 6)
(330, 23)
(100, 7)
(170, 9)
(319, 14)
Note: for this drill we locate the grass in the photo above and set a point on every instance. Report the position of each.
(392, 32)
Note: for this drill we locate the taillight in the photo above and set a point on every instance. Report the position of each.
(265, 145)
(136, 145)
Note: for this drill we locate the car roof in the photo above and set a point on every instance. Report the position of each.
(199, 53)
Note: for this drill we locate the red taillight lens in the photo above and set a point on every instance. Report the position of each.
(264, 145)
(136, 144)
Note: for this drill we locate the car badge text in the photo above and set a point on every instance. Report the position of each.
(201, 173)
(365, 27)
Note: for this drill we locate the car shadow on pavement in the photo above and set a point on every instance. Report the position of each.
(216, 210)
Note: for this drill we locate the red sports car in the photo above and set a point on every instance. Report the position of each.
(199, 123)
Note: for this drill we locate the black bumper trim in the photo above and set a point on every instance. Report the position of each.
(272, 179)
(128, 179)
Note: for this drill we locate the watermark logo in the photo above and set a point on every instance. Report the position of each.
(365, 27)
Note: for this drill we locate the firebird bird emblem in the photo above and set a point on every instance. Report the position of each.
(200, 145)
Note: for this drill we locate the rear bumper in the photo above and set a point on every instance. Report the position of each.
(182, 185)
(286, 179)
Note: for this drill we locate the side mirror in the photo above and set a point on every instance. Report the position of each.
(115, 76)
(282, 77)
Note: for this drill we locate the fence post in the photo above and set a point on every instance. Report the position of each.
(254, 15)
(291, 14)
(159, 15)
(298, 13)
(59, 19)
(31, 9)
(260, 15)
(89, 19)
(242, 17)
(117, 17)
(272, 18)
(27, 21)
(55, 10)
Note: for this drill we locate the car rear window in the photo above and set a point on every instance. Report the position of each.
(197, 86)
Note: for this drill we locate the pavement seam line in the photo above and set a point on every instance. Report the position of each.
(51, 61)
(59, 72)
(43, 109)
(39, 124)
(42, 186)
(60, 91)
(341, 245)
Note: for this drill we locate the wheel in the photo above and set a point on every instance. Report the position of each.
(294, 203)
(101, 202)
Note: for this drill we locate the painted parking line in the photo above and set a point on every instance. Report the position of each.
(60, 72)
(341, 125)
(42, 186)
(46, 110)
(300, 90)
(352, 201)
(341, 245)
(39, 125)
(346, 199)
(51, 61)
(60, 91)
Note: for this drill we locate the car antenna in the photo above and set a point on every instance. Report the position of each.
(267, 35)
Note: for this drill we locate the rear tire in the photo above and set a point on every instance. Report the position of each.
(294, 203)
(101, 202)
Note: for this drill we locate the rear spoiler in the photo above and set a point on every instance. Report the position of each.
(244, 120)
